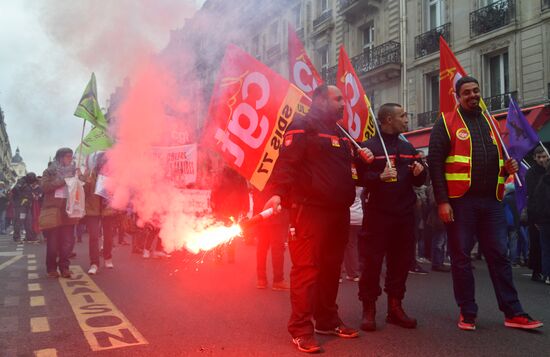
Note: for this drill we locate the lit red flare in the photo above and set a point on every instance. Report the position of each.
(209, 237)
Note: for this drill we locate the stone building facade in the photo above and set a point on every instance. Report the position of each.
(503, 43)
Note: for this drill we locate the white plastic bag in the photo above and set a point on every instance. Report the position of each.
(76, 207)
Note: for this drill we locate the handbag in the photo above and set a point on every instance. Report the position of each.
(50, 217)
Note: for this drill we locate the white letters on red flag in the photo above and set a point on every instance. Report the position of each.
(250, 109)
(301, 71)
(357, 120)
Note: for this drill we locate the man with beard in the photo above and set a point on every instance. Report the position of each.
(468, 172)
(313, 177)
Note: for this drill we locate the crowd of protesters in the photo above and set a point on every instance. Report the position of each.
(397, 212)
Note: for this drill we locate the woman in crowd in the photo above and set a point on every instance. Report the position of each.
(57, 227)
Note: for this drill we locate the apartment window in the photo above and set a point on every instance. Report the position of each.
(368, 36)
(256, 46)
(323, 58)
(324, 6)
(433, 92)
(435, 13)
(274, 33)
(297, 16)
(498, 74)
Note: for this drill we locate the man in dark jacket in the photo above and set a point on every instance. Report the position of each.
(389, 216)
(313, 177)
(24, 193)
(532, 178)
(468, 172)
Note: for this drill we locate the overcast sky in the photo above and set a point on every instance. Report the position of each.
(48, 50)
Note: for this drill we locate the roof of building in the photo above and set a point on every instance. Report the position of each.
(16, 158)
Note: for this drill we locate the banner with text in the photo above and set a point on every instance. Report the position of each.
(250, 109)
(179, 162)
(357, 119)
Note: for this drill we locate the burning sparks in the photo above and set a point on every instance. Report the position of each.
(207, 237)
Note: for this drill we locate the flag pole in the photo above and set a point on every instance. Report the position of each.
(380, 134)
(355, 142)
(544, 148)
(506, 154)
(81, 142)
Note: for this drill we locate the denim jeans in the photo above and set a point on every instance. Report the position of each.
(60, 241)
(513, 238)
(439, 240)
(481, 217)
(523, 243)
(545, 248)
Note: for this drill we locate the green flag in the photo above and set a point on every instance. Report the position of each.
(96, 140)
(88, 108)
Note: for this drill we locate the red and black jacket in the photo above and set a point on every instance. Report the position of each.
(315, 164)
(395, 198)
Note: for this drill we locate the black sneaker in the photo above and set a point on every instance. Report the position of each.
(307, 344)
(418, 270)
(340, 331)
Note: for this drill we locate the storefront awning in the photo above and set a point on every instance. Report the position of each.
(538, 116)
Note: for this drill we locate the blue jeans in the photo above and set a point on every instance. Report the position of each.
(60, 242)
(439, 238)
(513, 239)
(481, 217)
(545, 248)
(523, 243)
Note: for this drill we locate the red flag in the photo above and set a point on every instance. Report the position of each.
(250, 109)
(357, 120)
(450, 71)
(301, 71)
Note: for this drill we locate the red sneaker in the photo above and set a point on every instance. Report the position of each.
(467, 323)
(522, 321)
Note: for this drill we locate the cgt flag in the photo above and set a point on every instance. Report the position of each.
(301, 71)
(96, 140)
(250, 109)
(450, 71)
(88, 107)
(357, 119)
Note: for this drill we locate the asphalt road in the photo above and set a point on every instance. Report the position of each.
(191, 306)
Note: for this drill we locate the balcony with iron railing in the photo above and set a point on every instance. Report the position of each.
(492, 17)
(388, 53)
(329, 74)
(428, 42)
(355, 8)
(273, 51)
(381, 55)
(325, 16)
(500, 101)
(544, 5)
(427, 118)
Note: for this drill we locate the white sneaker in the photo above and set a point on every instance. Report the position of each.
(109, 263)
(160, 254)
(146, 254)
(93, 269)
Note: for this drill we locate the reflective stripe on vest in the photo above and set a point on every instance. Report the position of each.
(458, 164)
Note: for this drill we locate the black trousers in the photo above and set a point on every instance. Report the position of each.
(535, 254)
(391, 237)
(317, 252)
